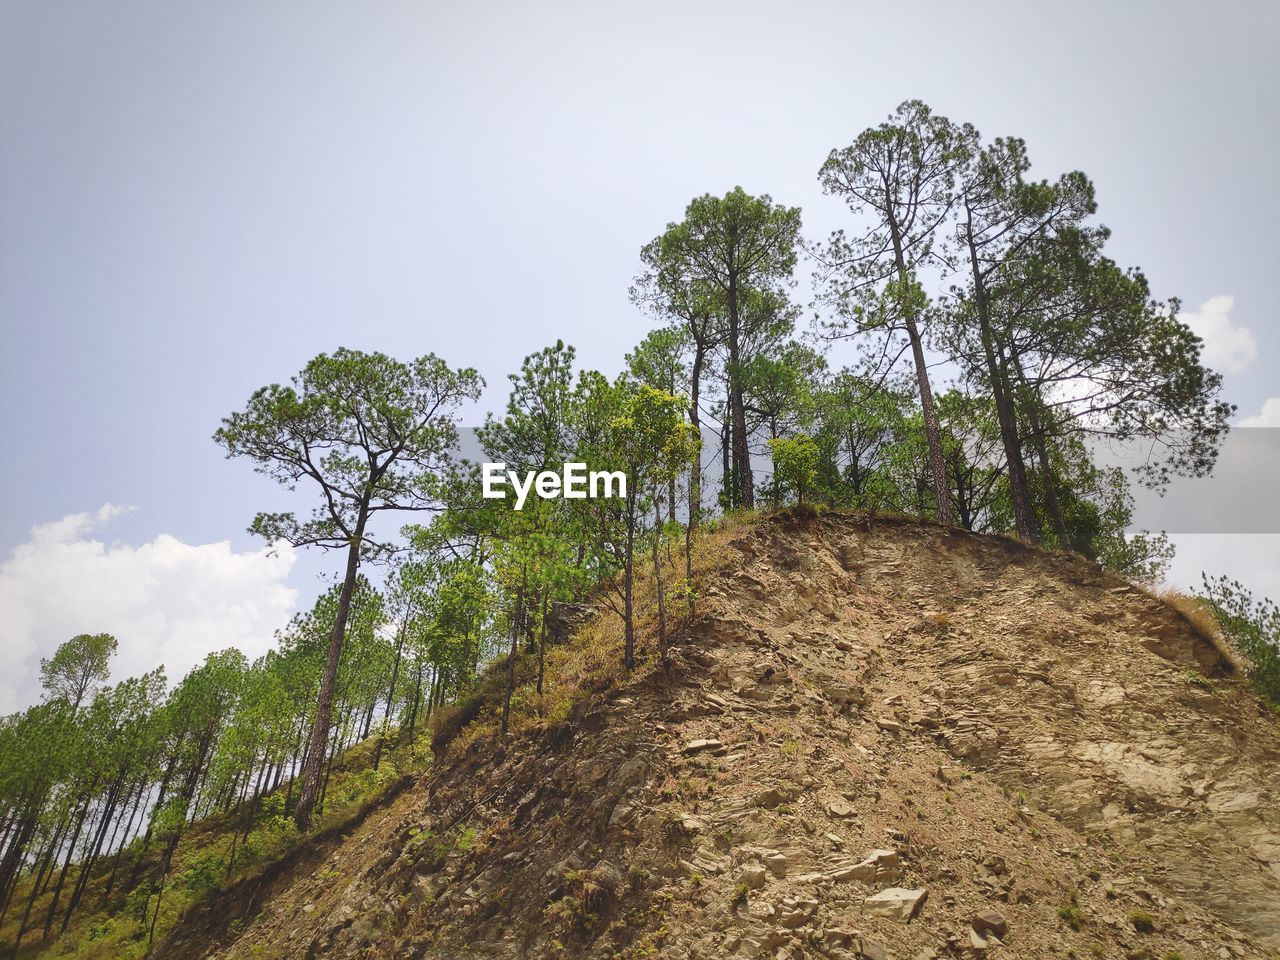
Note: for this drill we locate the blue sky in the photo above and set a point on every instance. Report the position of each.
(196, 198)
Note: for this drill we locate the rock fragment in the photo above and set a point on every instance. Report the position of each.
(897, 903)
(698, 746)
(991, 921)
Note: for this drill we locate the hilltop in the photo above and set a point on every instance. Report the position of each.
(870, 740)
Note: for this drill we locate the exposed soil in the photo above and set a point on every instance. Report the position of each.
(875, 741)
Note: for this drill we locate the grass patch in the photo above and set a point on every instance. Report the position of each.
(1142, 921)
(1069, 913)
(591, 660)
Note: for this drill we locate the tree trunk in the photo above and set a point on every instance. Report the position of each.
(932, 429)
(45, 868)
(726, 467)
(658, 586)
(695, 419)
(62, 874)
(1038, 437)
(1052, 506)
(1005, 416)
(542, 641)
(516, 616)
(314, 765)
(628, 587)
(695, 463)
(88, 862)
(334, 748)
(15, 855)
(124, 842)
(743, 481)
(391, 693)
(293, 762)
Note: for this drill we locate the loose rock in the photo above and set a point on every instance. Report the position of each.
(897, 903)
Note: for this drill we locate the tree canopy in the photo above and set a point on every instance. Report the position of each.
(1027, 344)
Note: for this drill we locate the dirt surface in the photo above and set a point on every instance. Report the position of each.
(875, 741)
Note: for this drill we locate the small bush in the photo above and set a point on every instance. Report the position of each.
(1142, 922)
(1198, 680)
(1253, 627)
(1069, 913)
(203, 873)
(564, 911)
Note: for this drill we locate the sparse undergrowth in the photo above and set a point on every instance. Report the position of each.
(203, 864)
(474, 863)
(592, 662)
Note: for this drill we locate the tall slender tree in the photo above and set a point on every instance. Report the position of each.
(901, 177)
(1001, 220)
(730, 247)
(78, 667)
(697, 309)
(371, 433)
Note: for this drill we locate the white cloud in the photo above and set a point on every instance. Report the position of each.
(1268, 417)
(1228, 348)
(167, 602)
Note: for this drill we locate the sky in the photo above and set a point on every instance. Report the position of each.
(197, 198)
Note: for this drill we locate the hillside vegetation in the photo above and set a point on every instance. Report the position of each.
(639, 702)
(873, 739)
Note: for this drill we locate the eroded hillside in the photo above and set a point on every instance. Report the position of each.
(874, 740)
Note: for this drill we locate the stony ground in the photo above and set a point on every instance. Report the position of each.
(875, 741)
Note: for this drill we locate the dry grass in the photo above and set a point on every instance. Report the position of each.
(591, 661)
(1197, 615)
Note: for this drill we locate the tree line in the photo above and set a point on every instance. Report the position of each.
(991, 342)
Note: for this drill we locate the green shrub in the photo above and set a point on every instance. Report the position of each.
(1253, 627)
(1142, 922)
(1069, 913)
(203, 872)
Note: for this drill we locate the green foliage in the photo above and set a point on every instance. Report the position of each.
(1069, 913)
(898, 179)
(723, 273)
(858, 423)
(1198, 680)
(372, 434)
(366, 429)
(1142, 557)
(203, 873)
(1053, 343)
(1142, 921)
(78, 667)
(795, 463)
(1253, 627)
(274, 835)
(650, 437)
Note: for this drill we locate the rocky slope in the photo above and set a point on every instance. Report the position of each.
(873, 741)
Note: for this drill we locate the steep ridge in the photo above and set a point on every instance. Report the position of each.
(874, 740)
